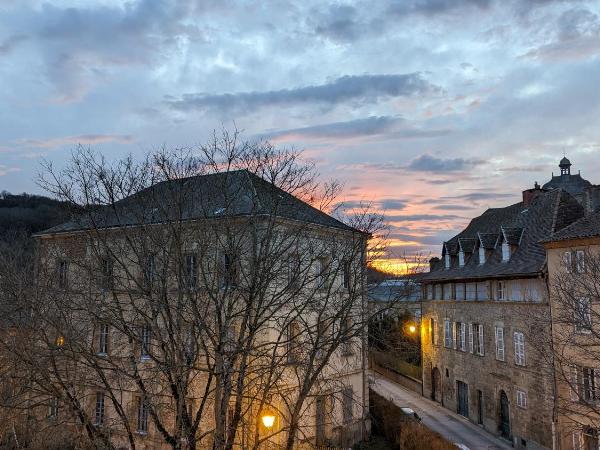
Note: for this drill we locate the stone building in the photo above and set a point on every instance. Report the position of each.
(158, 292)
(573, 262)
(482, 302)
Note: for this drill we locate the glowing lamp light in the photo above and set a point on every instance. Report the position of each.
(60, 341)
(412, 328)
(268, 421)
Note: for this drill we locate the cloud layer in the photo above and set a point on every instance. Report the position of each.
(432, 110)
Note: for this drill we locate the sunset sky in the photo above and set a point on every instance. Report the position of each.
(433, 109)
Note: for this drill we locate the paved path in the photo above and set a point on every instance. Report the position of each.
(451, 426)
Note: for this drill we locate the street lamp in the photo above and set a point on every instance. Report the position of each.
(412, 329)
(268, 421)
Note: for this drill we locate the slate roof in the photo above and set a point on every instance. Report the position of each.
(488, 240)
(222, 194)
(467, 245)
(524, 227)
(573, 184)
(588, 226)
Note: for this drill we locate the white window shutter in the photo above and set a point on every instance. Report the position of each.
(471, 337)
(580, 261)
(500, 343)
(567, 261)
(481, 345)
(574, 385)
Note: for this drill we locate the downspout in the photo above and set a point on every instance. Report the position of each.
(555, 445)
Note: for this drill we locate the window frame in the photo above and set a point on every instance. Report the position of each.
(100, 409)
(103, 339)
(499, 331)
(519, 344)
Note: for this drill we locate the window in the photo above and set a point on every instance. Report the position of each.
(582, 316)
(477, 339)
(142, 415)
(106, 273)
(320, 272)
(293, 271)
(585, 384)
(146, 340)
(505, 251)
(471, 290)
(149, 270)
(433, 331)
(53, 408)
(522, 399)
(229, 277)
(447, 288)
(481, 255)
(348, 404)
(461, 336)
(447, 260)
(567, 262)
(191, 270)
(460, 291)
(99, 412)
(438, 291)
(345, 334)
(519, 340)
(346, 275)
(501, 290)
(429, 292)
(461, 258)
(580, 261)
(103, 339)
(293, 348)
(63, 273)
(499, 343)
(60, 341)
(483, 290)
(590, 438)
(447, 334)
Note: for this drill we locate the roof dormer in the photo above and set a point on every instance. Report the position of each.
(450, 254)
(486, 245)
(466, 246)
(511, 239)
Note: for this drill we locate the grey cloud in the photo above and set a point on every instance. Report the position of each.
(352, 128)
(392, 127)
(577, 36)
(389, 203)
(11, 42)
(358, 88)
(454, 207)
(393, 203)
(479, 196)
(339, 22)
(429, 163)
(429, 217)
(84, 139)
(435, 7)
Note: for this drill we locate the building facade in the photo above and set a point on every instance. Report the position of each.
(573, 258)
(486, 309)
(217, 307)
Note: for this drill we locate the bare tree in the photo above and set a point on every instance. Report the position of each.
(181, 309)
(568, 337)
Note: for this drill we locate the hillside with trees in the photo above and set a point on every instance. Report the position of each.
(29, 213)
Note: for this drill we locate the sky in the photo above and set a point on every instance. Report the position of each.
(433, 110)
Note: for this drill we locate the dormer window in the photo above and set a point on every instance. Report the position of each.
(447, 260)
(505, 251)
(481, 255)
(461, 258)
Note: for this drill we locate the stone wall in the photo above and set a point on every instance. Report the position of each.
(530, 427)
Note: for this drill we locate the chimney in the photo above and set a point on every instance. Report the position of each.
(433, 262)
(530, 194)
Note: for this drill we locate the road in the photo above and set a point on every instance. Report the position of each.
(451, 426)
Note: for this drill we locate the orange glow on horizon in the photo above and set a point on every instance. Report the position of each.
(397, 266)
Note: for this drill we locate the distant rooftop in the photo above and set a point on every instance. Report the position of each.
(222, 194)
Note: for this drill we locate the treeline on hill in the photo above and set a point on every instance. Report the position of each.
(25, 213)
